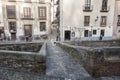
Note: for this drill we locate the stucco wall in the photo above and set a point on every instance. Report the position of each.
(1, 15)
(116, 31)
(34, 12)
(73, 16)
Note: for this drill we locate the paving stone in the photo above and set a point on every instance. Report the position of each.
(60, 64)
(12, 74)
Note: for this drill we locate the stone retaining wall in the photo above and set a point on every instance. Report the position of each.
(33, 56)
(95, 43)
(95, 60)
(31, 61)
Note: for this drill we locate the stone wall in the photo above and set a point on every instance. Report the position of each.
(26, 47)
(30, 61)
(95, 43)
(94, 60)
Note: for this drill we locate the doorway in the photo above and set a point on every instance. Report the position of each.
(27, 30)
(13, 36)
(67, 35)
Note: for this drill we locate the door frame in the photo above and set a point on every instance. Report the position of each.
(67, 33)
(29, 28)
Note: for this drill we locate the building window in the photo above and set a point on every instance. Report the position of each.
(42, 26)
(94, 32)
(12, 0)
(27, 12)
(104, 5)
(86, 33)
(103, 21)
(27, 0)
(12, 26)
(86, 20)
(118, 30)
(11, 11)
(87, 7)
(41, 1)
(102, 32)
(42, 13)
(87, 4)
(118, 22)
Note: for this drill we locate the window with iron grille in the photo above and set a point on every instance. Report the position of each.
(102, 32)
(27, 12)
(42, 26)
(86, 20)
(94, 32)
(86, 33)
(118, 22)
(103, 21)
(42, 13)
(104, 5)
(11, 11)
(12, 26)
(87, 4)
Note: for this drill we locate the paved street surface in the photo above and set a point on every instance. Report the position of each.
(12, 74)
(60, 64)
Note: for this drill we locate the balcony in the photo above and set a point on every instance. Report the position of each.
(86, 23)
(105, 9)
(42, 18)
(41, 2)
(11, 0)
(10, 16)
(87, 8)
(27, 18)
(27, 1)
(103, 24)
(12, 30)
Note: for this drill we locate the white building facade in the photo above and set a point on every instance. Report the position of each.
(116, 31)
(26, 17)
(86, 19)
(1, 21)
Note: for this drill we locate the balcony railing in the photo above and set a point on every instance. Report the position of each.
(28, 1)
(11, 0)
(42, 2)
(105, 9)
(87, 8)
(86, 23)
(103, 24)
(42, 18)
(12, 30)
(27, 17)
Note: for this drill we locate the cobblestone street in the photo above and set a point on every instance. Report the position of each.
(12, 74)
(59, 64)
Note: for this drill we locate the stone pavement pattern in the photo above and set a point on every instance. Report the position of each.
(12, 74)
(60, 64)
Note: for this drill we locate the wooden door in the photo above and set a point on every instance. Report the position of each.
(27, 30)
